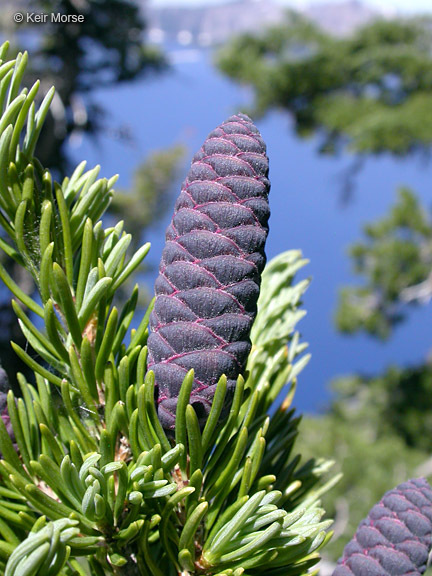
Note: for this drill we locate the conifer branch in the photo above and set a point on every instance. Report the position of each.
(96, 486)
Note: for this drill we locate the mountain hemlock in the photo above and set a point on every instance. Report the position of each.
(96, 487)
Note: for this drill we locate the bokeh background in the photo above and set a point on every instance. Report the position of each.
(342, 94)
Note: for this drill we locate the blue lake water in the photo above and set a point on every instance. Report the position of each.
(184, 106)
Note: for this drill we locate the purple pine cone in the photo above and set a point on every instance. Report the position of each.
(396, 537)
(210, 272)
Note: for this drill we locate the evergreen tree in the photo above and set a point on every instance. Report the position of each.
(368, 93)
(395, 263)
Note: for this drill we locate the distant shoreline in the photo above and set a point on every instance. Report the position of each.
(212, 25)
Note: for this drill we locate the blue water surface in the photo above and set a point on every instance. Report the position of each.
(183, 106)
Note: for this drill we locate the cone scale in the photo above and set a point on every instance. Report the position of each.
(396, 537)
(210, 271)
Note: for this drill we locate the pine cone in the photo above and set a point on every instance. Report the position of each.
(396, 537)
(210, 272)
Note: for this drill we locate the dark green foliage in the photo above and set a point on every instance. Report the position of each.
(395, 262)
(398, 402)
(370, 92)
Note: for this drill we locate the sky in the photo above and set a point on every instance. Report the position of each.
(406, 6)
